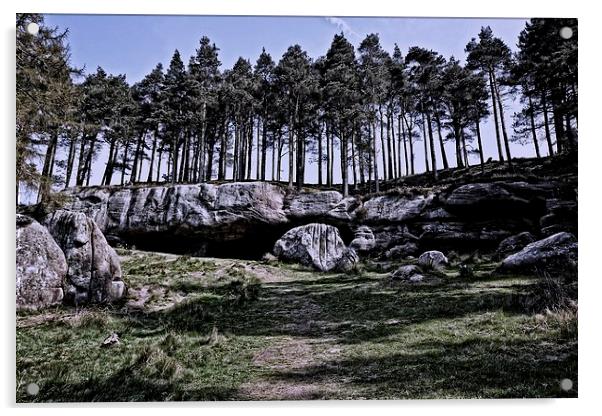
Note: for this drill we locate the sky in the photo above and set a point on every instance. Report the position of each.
(134, 44)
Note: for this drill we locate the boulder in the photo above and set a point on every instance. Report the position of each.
(409, 272)
(363, 240)
(94, 270)
(41, 266)
(432, 260)
(316, 245)
(554, 254)
(513, 244)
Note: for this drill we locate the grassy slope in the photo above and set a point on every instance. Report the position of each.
(208, 331)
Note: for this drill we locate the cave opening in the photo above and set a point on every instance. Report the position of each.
(251, 244)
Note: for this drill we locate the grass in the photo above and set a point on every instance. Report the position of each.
(217, 329)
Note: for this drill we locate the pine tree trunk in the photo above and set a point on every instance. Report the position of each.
(374, 160)
(202, 139)
(152, 158)
(106, 178)
(134, 173)
(464, 148)
(458, 139)
(481, 156)
(174, 159)
(344, 164)
(441, 145)
(328, 156)
(264, 146)
(533, 132)
(495, 119)
(546, 123)
(502, 121)
(426, 151)
(46, 182)
(389, 150)
(353, 163)
(382, 142)
(259, 154)
(391, 123)
(400, 120)
(79, 177)
(432, 145)
(320, 158)
(159, 160)
(70, 162)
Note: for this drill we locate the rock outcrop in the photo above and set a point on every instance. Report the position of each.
(556, 254)
(93, 267)
(41, 266)
(245, 219)
(315, 245)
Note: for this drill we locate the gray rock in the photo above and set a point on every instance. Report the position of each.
(348, 261)
(363, 240)
(94, 270)
(513, 244)
(554, 254)
(394, 208)
(406, 272)
(432, 260)
(402, 251)
(484, 199)
(313, 204)
(41, 266)
(316, 245)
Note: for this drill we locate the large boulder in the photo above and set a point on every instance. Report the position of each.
(94, 270)
(554, 254)
(514, 244)
(432, 260)
(41, 266)
(316, 245)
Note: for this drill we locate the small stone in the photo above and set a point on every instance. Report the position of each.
(111, 340)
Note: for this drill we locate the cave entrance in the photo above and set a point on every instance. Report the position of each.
(250, 245)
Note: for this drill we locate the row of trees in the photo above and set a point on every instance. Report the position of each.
(364, 110)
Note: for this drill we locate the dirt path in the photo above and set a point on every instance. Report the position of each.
(293, 356)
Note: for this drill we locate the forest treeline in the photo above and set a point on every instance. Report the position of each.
(195, 122)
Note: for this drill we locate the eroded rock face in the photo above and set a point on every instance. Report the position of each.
(93, 267)
(316, 245)
(394, 208)
(554, 254)
(245, 219)
(41, 266)
(478, 199)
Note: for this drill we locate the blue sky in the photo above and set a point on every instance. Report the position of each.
(134, 44)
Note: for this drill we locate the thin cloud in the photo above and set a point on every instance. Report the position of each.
(342, 25)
